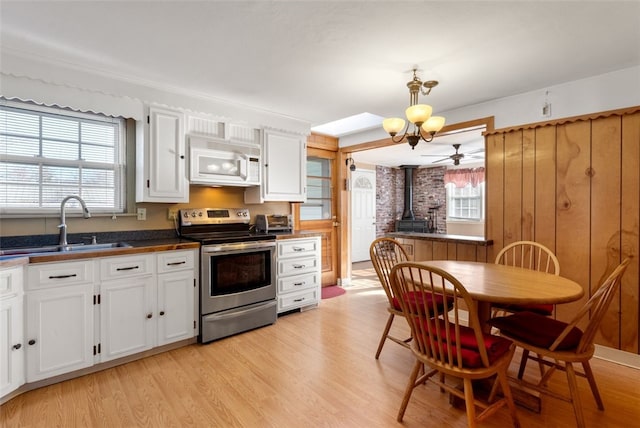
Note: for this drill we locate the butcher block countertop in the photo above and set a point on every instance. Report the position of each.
(458, 239)
(136, 247)
(295, 234)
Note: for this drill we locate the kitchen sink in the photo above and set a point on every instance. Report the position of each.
(59, 249)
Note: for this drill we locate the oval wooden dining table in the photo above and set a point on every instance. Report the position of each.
(489, 283)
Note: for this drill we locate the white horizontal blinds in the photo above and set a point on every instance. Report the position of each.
(48, 154)
(465, 202)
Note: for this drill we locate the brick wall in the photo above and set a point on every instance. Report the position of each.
(428, 191)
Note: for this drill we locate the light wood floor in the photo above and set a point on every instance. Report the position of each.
(310, 369)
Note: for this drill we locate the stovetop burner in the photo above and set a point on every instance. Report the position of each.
(218, 225)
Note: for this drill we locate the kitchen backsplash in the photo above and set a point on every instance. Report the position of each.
(157, 215)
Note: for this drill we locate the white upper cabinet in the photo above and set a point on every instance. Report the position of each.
(161, 157)
(284, 176)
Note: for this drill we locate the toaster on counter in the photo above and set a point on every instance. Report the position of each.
(273, 223)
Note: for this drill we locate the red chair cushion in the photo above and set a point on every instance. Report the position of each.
(495, 346)
(539, 308)
(536, 330)
(417, 298)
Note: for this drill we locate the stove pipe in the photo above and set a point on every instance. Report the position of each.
(408, 192)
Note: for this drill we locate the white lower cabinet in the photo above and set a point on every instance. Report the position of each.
(12, 373)
(59, 308)
(299, 275)
(79, 313)
(177, 282)
(59, 335)
(126, 317)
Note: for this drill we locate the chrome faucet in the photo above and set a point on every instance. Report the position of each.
(63, 225)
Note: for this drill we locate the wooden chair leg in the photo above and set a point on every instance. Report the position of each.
(592, 383)
(506, 391)
(523, 362)
(575, 396)
(469, 403)
(409, 389)
(385, 333)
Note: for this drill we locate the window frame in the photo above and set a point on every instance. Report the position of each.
(119, 165)
(451, 205)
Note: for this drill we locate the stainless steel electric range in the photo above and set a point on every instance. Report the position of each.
(237, 271)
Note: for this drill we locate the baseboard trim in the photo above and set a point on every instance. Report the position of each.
(617, 356)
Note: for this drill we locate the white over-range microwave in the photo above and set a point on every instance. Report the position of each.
(222, 163)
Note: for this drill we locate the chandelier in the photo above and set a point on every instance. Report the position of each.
(425, 126)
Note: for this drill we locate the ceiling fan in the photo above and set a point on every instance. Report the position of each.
(456, 157)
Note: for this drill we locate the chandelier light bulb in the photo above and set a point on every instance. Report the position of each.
(433, 124)
(418, 114)
(393, 125)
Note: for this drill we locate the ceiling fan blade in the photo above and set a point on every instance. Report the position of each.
(475, 151)
(434, 156)
(441, 160)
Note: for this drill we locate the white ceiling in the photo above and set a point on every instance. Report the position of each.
(322, 61)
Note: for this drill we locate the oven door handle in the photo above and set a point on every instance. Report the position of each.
(216, 249)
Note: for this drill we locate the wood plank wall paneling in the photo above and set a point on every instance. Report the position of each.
(629, 230)
(574, 185)
(606, 182)
(495, 190)
(545, 188)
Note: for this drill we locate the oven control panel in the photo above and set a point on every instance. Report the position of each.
(197, 216)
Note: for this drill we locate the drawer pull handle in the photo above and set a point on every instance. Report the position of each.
(176, 263)
(299, 266)
(149, 316)
(299, 300)
(71, 275)
(17, 346)
(299, 283)
(161, 313)
(298, 249)
(32, 342)
(128, 268)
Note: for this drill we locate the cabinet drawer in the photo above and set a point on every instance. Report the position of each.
(297, 265)
(43, 275)
(170, 261)
(296, 247)
(126, 266)
(295, 300)
(298, 282)
(11, 282)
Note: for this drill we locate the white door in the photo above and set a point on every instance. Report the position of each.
(363, 213)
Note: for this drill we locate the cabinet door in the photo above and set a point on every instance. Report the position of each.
(11, 344)
(176, 317)
(163, 176)
(127, 316)
(284, 173)
(60, 327)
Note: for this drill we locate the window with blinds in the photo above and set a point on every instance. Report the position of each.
(465, 203)
(47, 154)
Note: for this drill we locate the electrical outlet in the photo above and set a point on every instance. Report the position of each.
(172, 214)
(142, 213)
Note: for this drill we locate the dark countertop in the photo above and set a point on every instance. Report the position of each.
(458, 239)
(136, 247)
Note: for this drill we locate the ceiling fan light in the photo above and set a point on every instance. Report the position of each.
(418, 113)
(433, 124)
(393, 125)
